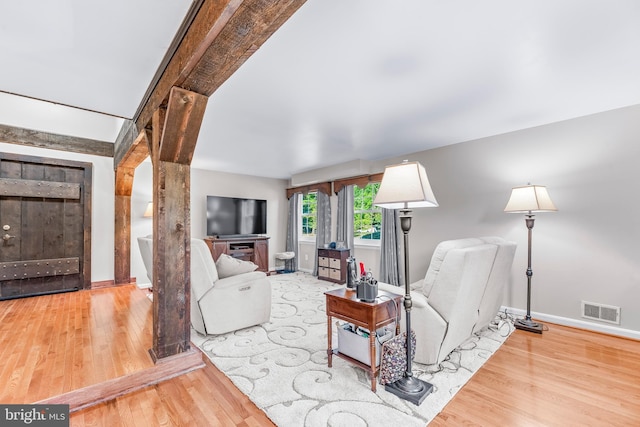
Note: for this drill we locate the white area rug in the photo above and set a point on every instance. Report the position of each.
(282, 366)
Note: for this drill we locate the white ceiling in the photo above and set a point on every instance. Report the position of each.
(341, 80)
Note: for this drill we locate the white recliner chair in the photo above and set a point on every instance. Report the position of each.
(460, 294)
(146, 245)
(221, 305)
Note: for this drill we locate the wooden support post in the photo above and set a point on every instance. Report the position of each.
(122, 247)
(174, 136)
(220, 38)
(125, 170)
(172, 260)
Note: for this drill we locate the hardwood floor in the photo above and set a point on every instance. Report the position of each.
(55, 344)
(564, 377)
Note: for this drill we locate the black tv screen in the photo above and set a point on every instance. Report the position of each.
(233, 216)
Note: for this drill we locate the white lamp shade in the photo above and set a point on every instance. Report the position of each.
(530, 198)
(405, 186)
(148, 213)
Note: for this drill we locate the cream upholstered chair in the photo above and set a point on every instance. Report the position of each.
(221, 305)
(460, 294)
(146, 251)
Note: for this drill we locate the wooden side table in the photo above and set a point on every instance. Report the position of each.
(343, 304)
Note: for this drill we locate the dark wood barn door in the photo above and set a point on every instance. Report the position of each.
(45, 225)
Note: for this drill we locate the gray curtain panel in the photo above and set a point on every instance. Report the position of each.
(292, 233)
(323, 226)
(345, 216)
(391, 249)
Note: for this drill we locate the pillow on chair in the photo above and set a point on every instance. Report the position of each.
(229, 266)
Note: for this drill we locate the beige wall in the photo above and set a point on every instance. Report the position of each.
(588, 250)
(204, 183)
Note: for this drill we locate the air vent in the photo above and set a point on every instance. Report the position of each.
(605, 313)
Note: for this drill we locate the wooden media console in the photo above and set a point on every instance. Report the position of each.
(254, 249)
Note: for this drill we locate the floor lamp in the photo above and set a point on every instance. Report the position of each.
(406, 186)
(528, 199)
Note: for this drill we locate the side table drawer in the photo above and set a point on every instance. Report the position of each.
(334, 263)
(334, 274)
(323, 261)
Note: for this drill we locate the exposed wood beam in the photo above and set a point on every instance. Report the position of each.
(172, 229)
(54, 141)
(123, 188)
(221, 37)
(122, 237)
(247, 29)
(185, 111)
(138, 153)
(173, 47)
(127, 151)
(91, 395)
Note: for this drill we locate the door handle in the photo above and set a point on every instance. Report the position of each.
(6, 237)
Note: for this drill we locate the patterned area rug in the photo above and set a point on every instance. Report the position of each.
(282, 366)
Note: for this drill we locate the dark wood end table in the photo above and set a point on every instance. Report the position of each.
(343, 304)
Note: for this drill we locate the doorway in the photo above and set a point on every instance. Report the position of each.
(45, 220)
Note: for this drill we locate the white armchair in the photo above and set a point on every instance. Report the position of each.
(221, 305)
(145, 245)
(460, 294)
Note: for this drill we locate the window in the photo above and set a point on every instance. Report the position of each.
(367, 218)
(308, 216)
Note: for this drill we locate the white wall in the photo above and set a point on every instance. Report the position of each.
(204, 183)
(588, 250)
(102, 218)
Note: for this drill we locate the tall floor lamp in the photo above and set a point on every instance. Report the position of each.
(403, 187)
(528, 199)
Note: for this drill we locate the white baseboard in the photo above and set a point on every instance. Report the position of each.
(575, 323)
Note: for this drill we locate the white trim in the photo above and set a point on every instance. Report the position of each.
(366, 243)
(305, 270)
(575, 323)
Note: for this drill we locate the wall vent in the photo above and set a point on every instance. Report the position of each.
(605, 313)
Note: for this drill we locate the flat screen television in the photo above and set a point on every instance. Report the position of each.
(233, 216)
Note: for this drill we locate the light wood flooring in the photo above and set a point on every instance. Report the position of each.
(55, 344)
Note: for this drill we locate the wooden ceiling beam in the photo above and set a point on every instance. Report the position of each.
(253, 22)
(54, 141)
(137, 153)
(221, 37)
(185, 111)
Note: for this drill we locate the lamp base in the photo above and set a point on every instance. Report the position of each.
(411, 389)
(528, 325)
